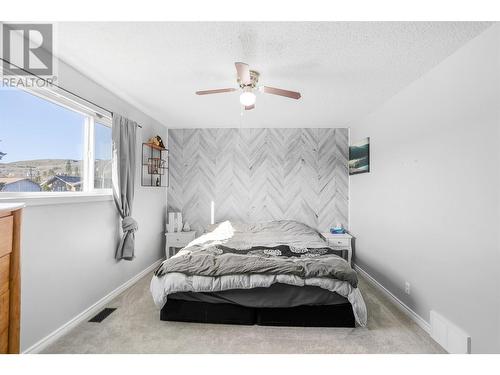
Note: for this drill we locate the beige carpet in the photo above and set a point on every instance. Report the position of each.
(135, 327)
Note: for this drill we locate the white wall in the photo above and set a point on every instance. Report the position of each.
(68, 250)
(429, 210)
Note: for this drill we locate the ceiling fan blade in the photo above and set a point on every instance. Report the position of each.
(249, 107)
(281, 92)
(216, 91)
(243, 72)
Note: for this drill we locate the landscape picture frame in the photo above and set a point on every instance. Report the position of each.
(359, 157)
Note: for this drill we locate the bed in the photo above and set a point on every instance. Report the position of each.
(274, 273)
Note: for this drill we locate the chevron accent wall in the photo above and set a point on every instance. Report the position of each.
(256, 175)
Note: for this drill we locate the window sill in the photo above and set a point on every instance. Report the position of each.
(44, 199)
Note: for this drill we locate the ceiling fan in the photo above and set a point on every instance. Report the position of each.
(247, 81)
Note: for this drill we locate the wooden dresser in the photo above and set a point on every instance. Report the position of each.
(10, 276)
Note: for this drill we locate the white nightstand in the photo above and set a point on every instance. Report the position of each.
(177, 240)
(340, 242)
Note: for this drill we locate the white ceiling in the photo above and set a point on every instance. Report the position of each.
(344, 70)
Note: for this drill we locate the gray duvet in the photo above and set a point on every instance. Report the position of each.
(276, 247)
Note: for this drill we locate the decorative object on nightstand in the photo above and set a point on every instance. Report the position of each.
(174, 222)
(154, 164)
(186, 227)
(177, 240)
(337, 229)
(341, 242)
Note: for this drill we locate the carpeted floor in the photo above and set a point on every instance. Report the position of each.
(135, 327)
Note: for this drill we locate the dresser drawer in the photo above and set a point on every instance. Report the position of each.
(4, 322)
(4, 273)
(6, 235)
(4, 341)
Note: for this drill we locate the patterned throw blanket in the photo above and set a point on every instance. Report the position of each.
(273, 248)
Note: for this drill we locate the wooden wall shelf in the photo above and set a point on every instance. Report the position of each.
(154, 166)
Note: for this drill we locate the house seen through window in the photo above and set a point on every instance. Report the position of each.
(47, 147)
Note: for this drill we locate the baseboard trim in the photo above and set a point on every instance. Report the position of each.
(421, 322)
(89, 312)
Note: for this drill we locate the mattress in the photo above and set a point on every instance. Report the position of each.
(277, 295)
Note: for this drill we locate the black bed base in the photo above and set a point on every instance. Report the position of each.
(340, 315)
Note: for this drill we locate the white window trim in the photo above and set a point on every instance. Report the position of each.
(88, 157)
(54, 198)
(88, 193)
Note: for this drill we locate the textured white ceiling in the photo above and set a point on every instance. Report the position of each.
(344, 70)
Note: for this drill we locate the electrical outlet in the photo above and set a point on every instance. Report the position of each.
(407, 287)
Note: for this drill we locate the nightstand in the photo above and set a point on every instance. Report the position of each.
(177, 240)
(340, 242)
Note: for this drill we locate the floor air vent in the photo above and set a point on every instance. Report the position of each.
(102, 315)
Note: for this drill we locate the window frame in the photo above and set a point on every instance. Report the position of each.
(93, 115)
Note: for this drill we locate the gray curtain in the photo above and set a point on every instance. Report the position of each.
(124, 156)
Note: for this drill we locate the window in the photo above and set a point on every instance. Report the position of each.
(50, 144)
(102, 158)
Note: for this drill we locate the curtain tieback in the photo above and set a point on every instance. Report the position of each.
(129, 224)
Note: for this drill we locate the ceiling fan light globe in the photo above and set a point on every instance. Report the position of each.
(247, 98)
